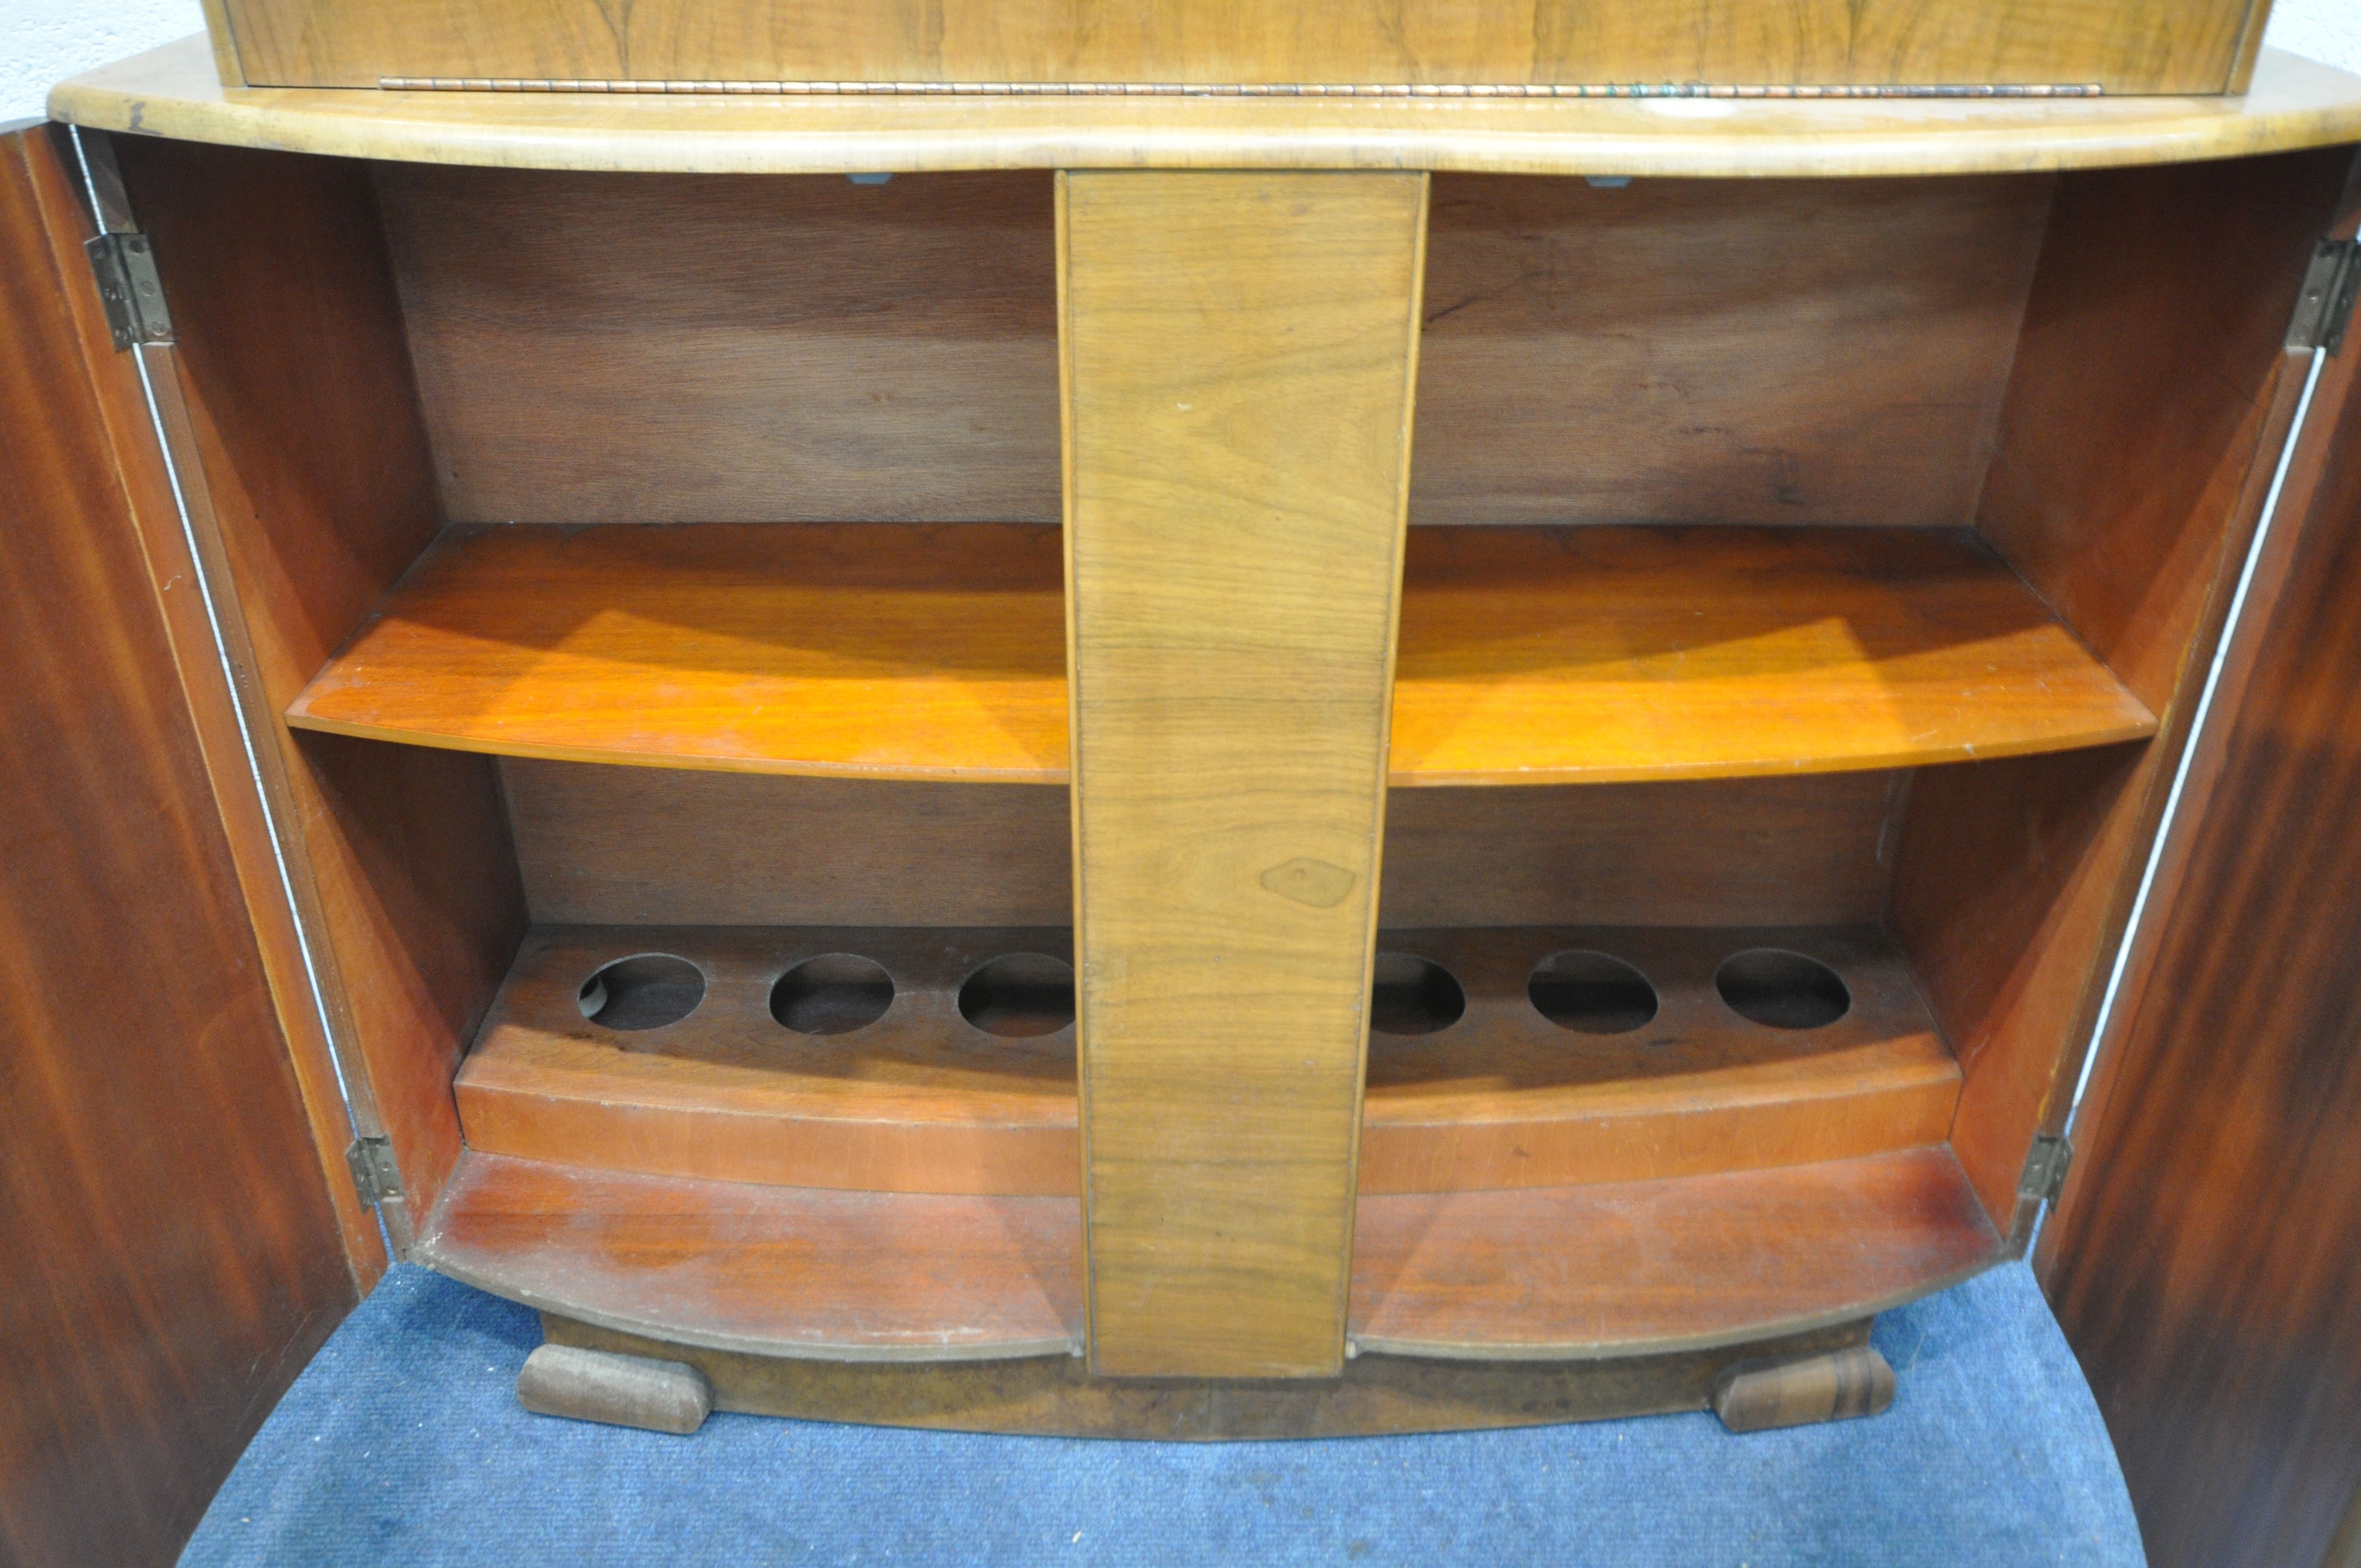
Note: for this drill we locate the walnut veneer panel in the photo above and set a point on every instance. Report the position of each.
(2205, 1261)
(173, 1255)
(1240, 351)
(2130, 46)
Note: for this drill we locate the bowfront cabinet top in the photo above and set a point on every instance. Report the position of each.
(733, 127)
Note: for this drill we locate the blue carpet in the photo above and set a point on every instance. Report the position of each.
(403, 1442)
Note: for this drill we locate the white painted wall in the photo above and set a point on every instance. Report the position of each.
(44, 41)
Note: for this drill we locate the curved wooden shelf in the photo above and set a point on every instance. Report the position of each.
(175, 92)
(1653, 1266)
(860, 650)
(776, 1270)
(1528, 655)
(920, 1102)
(1538, 1274)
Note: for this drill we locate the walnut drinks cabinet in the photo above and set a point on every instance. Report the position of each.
(1211, 765)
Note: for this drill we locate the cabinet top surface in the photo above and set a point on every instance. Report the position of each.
(174, 92)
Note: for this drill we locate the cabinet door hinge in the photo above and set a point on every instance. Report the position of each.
(375, 1176)
(125, 266)
(2044, 1170)
(2324, 310)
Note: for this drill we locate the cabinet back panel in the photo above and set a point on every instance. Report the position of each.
(664, 846)
(672, 348)
(1719, 350)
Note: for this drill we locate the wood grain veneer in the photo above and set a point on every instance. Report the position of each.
(2130, 45)
(174, 92)
(1528, 655)
(1239, 352)
(174, 1256)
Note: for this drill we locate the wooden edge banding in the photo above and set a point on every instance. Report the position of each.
(1056, 1396)
(138, 429)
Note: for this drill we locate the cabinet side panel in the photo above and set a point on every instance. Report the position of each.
(2130, 46)
(2136, 449)
(2206, 1263)
(173, 1256)
(300, 425)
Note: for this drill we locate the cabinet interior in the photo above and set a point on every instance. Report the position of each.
(1802, 589)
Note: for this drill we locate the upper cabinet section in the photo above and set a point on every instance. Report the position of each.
(2116, 46)
(742, 126)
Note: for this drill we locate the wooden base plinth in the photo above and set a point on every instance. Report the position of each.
(1058, 1397)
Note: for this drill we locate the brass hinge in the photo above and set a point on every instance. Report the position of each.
(2044, 1170)
(2324, 310)
(375, 1176)
(125, 266)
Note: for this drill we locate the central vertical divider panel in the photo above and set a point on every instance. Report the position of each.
(1238, 353)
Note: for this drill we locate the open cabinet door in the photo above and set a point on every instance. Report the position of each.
(2205, 1256)
(173, 1249)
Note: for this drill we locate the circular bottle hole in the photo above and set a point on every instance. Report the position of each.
(1591, 992)
(1018, 994)
(1411, 996)
(645, 992)
(1782, 990)
(834, 993)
